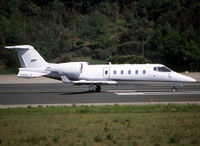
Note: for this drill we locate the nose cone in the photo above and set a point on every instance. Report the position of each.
(189, 79)
(183, 78)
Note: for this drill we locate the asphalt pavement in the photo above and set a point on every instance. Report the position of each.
(14, 95)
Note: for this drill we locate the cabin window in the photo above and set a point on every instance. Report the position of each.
(114, 72)
(144, 71)
(129, 72)
(122, 72)
(106, 72)
(136, 72)
(162, 69)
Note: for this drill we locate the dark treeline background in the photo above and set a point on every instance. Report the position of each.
(163, 31)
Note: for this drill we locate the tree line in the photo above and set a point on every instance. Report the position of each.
(163, 31)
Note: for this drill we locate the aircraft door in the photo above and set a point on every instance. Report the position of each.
(169, 75)
(106, 73)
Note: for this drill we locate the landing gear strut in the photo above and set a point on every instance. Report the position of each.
(97, 89)
(91, 88)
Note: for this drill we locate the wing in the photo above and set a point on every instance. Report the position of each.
(85, 82)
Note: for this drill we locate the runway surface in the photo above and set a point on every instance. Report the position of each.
(58, 93)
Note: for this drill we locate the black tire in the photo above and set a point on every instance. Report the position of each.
(174, 89)
(98, 88)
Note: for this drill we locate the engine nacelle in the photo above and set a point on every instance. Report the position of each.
(72, 69)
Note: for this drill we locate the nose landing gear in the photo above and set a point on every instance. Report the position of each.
(174, 89)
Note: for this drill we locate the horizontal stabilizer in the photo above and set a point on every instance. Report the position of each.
(26, 47)
(31, 72)
(84, 82)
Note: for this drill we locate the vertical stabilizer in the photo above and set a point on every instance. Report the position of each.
(28, 56)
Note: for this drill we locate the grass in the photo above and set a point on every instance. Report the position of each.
(102, 125)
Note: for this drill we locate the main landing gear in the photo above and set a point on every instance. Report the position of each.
(97, 89)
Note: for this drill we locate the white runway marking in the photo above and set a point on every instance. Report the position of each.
(120, 91)
(133, 92)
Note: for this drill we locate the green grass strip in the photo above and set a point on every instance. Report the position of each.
(101, 125)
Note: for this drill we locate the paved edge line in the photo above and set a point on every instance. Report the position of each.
(159, 93)
(95, 104)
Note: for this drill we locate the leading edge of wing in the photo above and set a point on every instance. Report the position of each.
(84, 82)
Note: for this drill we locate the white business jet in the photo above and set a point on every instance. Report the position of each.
(81, 73)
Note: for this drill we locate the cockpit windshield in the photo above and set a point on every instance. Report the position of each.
(162, 69)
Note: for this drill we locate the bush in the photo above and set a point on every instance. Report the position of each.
(101, 54)
(129, 48)
(173, 139)
(97, 139)
(109, 136)
(64, 58)
(56, 138)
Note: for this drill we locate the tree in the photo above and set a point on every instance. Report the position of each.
(93, 28)
(16, 29)
(167, 31)
(167, 45)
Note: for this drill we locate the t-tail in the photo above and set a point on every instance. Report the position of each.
(32, 63)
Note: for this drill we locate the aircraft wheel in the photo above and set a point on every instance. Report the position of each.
(91, 88)
(98, 88)
(174, 89)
